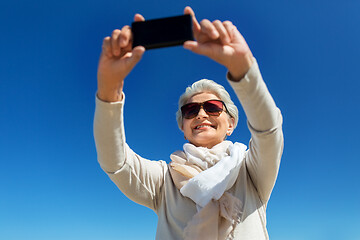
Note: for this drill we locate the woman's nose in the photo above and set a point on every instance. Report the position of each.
(202, 113)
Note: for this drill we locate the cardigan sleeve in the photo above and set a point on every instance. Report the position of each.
(265, 124)
(138, 178)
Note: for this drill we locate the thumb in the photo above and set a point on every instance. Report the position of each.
(136, 56)
(206, 49)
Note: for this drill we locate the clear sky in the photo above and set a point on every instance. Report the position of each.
(51, 185)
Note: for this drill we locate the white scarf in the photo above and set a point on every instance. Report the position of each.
(206, 175)
(220, 174)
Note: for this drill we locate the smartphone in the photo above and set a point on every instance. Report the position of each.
(162, 32)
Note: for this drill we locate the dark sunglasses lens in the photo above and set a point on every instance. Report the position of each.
(190, 110)
(213, 107)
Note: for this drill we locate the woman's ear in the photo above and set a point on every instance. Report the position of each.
(231, 126)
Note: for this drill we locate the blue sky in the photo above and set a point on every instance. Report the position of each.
(51, 185)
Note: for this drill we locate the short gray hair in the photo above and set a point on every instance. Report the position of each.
(205, 85)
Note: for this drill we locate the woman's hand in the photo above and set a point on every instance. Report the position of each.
(222, 42)
(117, 59)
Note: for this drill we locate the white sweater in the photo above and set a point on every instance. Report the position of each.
(149, 183)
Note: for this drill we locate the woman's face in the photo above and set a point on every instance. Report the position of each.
(205, 130)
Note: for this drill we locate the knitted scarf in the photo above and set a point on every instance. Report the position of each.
(204, 175)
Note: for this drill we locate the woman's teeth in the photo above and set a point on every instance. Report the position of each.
(202, 126)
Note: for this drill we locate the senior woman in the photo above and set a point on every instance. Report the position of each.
(213, 188)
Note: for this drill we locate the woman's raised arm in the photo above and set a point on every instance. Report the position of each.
(116, 61)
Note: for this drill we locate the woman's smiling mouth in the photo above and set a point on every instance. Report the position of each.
(203, 126)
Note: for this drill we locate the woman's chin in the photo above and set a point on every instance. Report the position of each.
(205, 142)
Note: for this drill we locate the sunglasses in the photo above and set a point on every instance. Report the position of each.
(211, 107)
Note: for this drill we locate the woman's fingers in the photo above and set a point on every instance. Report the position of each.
(223, 33)
(229, 28)
(125, 37)
(115, 47)
(216, 31)
(138, 18)
(209, 29)
(119, 42)
(196, 25)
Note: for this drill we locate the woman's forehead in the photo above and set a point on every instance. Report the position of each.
(202, 97)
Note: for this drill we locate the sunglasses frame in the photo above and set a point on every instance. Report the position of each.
(202, 106)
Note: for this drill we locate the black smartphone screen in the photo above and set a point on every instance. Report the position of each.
(162, 32)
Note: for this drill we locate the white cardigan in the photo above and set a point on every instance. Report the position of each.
(149, 183)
